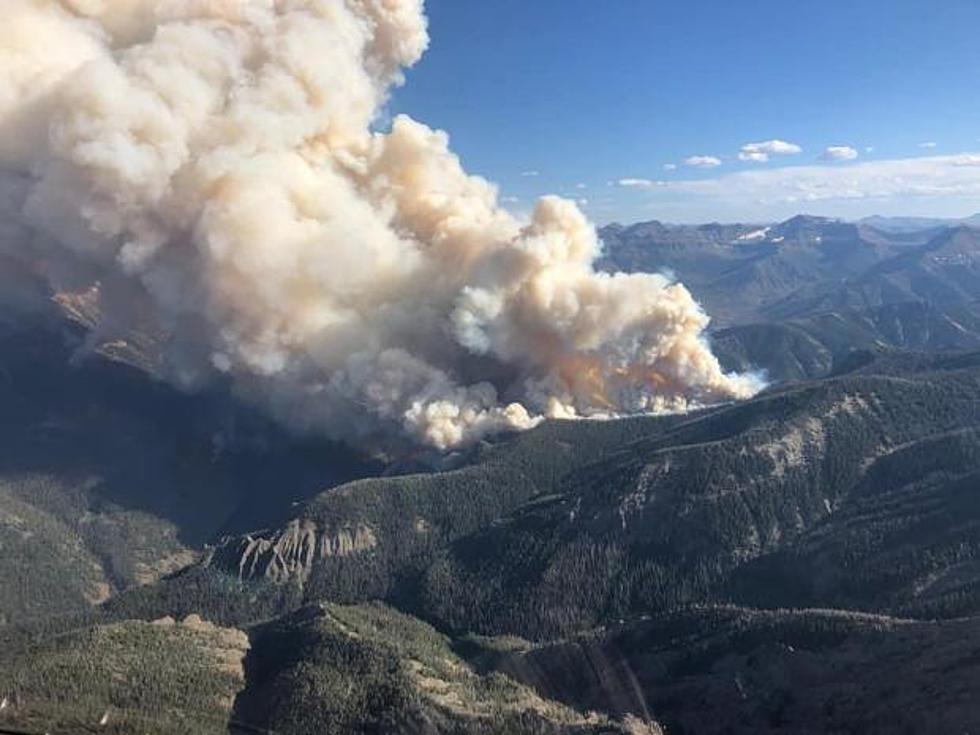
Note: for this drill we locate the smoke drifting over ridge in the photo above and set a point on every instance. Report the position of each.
(209, 166)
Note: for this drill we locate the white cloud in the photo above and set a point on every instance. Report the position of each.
(761, 152)
(509, 200)
(933, 176)
(530, 174)
(839, 153)
(636, 183)
(703, 161)
(583, 202)
(753, 156)
(581, 186)
(869, 149)
(928, 144)
(670, 167)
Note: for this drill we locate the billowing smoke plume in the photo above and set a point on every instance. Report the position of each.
(209, 169)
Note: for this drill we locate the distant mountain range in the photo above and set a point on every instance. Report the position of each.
(912, 224)
(802, 267)
(792, 297)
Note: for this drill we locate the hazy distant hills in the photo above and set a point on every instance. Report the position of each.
(738, 272)
(943, 271)
(792, 298)
(917, 224)
(804, 266)
(809, 347)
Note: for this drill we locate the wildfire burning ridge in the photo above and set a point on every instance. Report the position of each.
(211, 167)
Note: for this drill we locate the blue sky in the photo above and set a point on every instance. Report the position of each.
(594, 98)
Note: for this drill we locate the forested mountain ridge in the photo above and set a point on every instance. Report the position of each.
(810, 347)
(718, 670)
(638, 549)
(549, 532)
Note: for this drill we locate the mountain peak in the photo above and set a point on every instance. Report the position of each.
(805, 227)
(806, 220)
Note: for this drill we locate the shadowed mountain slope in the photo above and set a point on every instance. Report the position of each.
(110, 479)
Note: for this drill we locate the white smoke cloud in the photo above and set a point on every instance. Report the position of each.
(208, 169)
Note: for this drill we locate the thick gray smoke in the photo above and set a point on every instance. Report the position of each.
(208, 169)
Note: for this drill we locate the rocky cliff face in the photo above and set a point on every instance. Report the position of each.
(290, 553)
